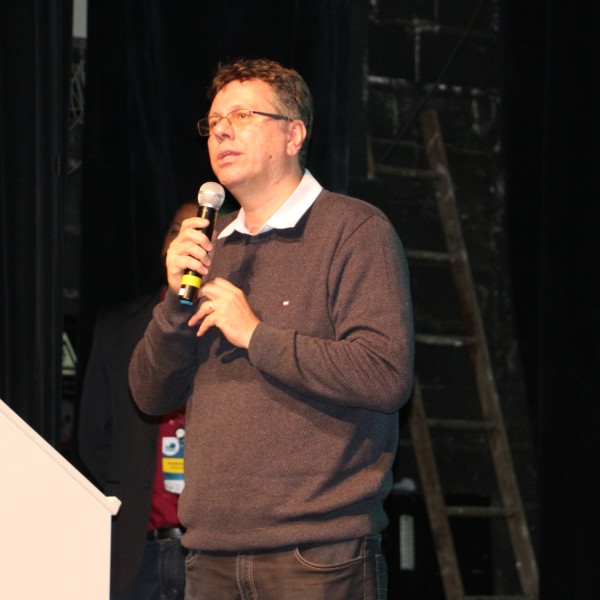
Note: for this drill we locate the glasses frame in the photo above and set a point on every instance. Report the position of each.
(203, 124)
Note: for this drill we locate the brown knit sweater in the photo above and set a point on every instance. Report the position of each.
(291, 441)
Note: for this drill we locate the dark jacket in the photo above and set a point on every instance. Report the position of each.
(117, 442)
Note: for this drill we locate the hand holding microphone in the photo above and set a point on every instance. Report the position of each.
(210, 199)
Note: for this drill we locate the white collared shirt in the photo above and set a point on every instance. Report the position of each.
(287, 215)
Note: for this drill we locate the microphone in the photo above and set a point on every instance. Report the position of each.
(210, 199)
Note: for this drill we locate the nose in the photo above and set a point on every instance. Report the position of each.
(223, 128)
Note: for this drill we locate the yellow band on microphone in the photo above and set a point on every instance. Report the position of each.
(189, 279)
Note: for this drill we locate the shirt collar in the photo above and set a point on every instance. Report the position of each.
(286, 215)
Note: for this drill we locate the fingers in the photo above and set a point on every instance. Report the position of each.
(208, 296)
(225, 306)
(191, 249)
(205, 309)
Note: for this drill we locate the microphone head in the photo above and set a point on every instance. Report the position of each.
(211, 194)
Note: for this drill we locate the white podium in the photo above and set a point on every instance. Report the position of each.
(55, 524)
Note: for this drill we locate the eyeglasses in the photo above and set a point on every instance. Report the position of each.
(236, 118)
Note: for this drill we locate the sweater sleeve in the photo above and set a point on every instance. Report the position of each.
(164, 362)
(369, 363)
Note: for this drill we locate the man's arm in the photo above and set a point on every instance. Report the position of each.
(163, 364)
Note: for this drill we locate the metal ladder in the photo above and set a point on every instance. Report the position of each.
(507, 504)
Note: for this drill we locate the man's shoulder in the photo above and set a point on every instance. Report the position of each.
(343, 207)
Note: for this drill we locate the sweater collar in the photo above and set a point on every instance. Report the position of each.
(288, 214)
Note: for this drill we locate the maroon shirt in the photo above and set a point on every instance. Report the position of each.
(163, 510)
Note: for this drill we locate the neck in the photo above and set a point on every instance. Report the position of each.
(260, 205)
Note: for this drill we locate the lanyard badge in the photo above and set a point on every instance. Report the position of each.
(172, 462)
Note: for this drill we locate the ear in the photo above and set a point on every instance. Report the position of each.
(296, 137)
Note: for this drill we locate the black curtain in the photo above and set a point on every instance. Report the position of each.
(552, 108)
(34, 79)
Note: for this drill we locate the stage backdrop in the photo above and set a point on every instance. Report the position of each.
(552, 150)
(149, 62)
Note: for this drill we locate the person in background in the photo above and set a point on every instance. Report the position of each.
(292, 365)
(135, 457)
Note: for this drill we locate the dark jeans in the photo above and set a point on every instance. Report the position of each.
(161, 575)
(350, 570)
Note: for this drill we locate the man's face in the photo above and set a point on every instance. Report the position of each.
(252, 156)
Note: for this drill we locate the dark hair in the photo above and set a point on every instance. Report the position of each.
(292, 96)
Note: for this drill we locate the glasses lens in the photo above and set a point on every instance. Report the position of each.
(240, 116)
(203, 127)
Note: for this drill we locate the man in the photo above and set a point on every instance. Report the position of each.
(122, 448)
(295, 361)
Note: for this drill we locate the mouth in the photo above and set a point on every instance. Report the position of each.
(225, 154)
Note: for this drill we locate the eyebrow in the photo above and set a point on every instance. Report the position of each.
(216, 114)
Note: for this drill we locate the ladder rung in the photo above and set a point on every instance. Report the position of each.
(477, 512)
(429, 255)
(457, 341)
(460, 425)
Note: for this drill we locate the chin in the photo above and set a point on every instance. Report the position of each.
(225, 179)
(221, 175)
